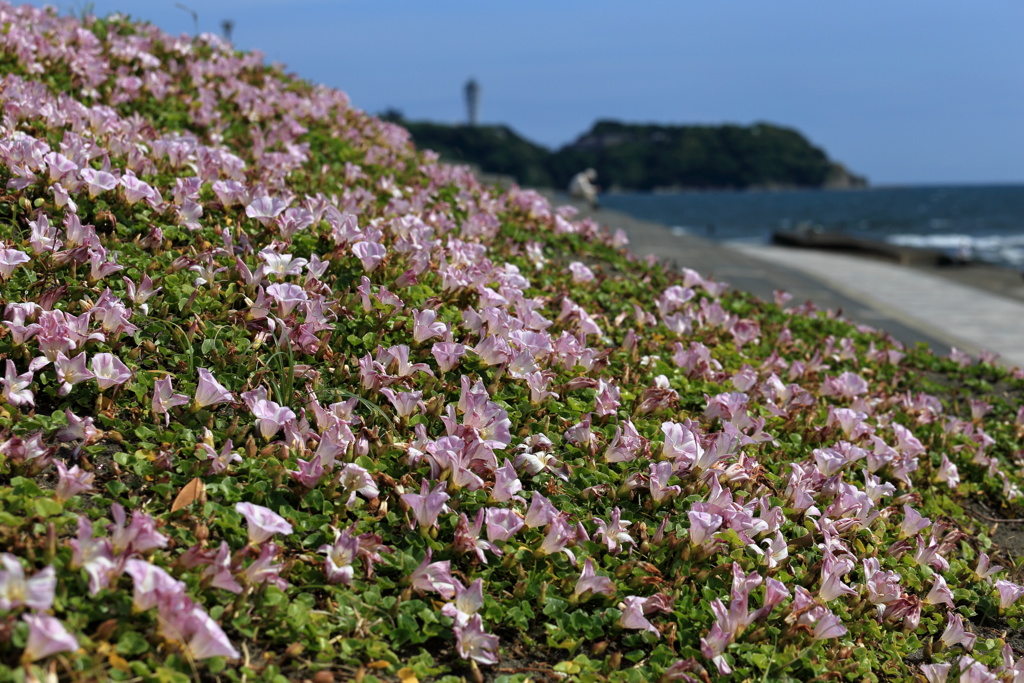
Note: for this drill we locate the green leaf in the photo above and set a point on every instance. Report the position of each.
(131, 643)
(46, 507)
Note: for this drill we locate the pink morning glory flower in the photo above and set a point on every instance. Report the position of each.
(340, 556)
(16, 390)
(271, 417)
(263, 522)
(434, 576)
(580, 272)
(71, 371)
(614, 533)
(1009, 593)
(98, 181)
(265, 209)
(109, 370)
(447, 354)
(468, 601)
(502, 524)
(9, 260)
(164, 398)
(370, 254)
(16, 591)
(474, 643)
(46, 636)
(209, 391)
(72, 481)
(288, 296)
(427, 504)
(590, 581)
(633, 615)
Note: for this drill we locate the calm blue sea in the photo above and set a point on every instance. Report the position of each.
(985, 222)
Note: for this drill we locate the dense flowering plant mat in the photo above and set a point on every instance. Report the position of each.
(285, 399)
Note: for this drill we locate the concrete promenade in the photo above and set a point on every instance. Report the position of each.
(961, 315)
(973, 307)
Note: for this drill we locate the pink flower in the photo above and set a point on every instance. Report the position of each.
(208, 638)
(939, 593)
(659, 475)
(614, 533)
(425, 325)
(955, 633)
(506, 484)
(434, 576)
(468, 601)
(287, 296)
(580, 273)
(447, 354)
(832, 571)
(9, 260)
(265, 209)
(109, 370)
(702, 526)
(46, 636)
(633, 615)
(17, 591)
(340, 556)
(354, 479)
(590, 581)
(140, 536)
(1009, 593)
(263, 522)
(164, 398)
(271, 416)
(502, 524)
(474, 643)
(95, 555)
(71, 372)
(263, 570)
(16, 390)
(72, 482)
(985, 569)
(467, 537)
(427, 504)
(149, 581)
(370, 254)
(98, 181)
(405, 402)
(309, 472)
(220, 461)
(541, 512)
(828, 626)
(209, 391)
(561, 534)
(607, 398)
(913, 522)
(936, 673)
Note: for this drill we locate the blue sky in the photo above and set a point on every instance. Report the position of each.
(913, 91)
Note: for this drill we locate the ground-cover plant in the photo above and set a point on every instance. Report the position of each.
(285, 399)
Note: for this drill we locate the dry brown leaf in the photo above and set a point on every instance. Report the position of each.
(189, 493)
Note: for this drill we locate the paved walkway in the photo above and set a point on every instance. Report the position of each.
(967, 317)
(973, 308)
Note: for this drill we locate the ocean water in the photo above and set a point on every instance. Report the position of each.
(984, 222)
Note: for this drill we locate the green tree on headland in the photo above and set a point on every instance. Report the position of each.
(645, 156)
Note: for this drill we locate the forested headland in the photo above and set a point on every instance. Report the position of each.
(645, 157)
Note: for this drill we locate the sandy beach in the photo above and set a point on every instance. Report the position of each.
(973, 307)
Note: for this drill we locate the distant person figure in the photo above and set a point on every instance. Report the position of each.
(582, 187)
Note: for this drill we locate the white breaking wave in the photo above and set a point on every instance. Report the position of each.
(1005, 249)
